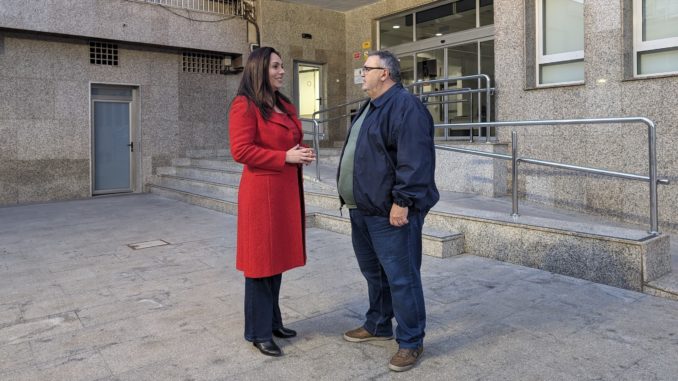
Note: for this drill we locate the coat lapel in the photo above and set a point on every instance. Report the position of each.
(282, 119)
(286, 121)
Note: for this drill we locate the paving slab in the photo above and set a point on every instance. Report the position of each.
(77, 303)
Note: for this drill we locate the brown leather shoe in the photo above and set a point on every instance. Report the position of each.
(359, 335)
(405, 359)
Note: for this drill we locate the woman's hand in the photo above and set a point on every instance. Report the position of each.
(300, 155)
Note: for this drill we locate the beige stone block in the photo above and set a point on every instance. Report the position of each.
(9, 173)
(53, 139)
(26, 98)
(48, 180)
(71, 99)
(70, 59)
(9, 145)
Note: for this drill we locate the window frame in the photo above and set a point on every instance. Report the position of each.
(640, 46)
(414, 12)
(542, 59)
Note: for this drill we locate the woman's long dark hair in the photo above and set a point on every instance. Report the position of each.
(256, 85)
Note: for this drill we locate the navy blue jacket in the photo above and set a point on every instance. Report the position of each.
(394, 155)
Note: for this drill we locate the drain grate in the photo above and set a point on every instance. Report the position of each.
(147, 244)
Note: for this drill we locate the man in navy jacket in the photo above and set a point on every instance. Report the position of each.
(386, 179)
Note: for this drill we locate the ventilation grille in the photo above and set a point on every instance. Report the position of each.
(203, 63)
(103, 53)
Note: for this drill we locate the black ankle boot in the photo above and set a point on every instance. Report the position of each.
(269, 348)
(284, 333)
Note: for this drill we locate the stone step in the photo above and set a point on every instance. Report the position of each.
(330, 156)
(321, 200)
(619, 260)
(221, 205)
(204, 153)
(225, 163)
(219, 188)
(207, 174)
(615, 256)
(200, 187)
(435, 243)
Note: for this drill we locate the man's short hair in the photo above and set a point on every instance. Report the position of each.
(390, 62)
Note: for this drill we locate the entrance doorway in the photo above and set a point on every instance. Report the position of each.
(464, 59)
(113, 131)
(308, 91)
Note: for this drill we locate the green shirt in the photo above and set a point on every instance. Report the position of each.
(345, 186)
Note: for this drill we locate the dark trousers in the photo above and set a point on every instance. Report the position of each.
(389, 258)
(262, 313)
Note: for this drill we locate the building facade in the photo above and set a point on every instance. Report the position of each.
(547, 59)
(69, 70)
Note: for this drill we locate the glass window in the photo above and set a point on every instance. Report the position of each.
(486, 12)
(447, 18)
(431, 66)
(656, 36)
(487, 67)
(560, 39)
(407, 69)
(561, 72)
(462, 60)
(395, 31)
(660, 19)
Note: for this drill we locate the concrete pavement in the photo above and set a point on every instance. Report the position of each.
(76, 303)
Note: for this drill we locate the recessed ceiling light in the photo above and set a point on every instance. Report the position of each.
(439, 34)
(396, 26)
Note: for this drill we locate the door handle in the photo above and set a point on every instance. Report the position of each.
(131, 146)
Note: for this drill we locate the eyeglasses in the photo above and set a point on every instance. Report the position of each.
(366, 69)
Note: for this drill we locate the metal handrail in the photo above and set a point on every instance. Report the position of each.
(316, 120)
(652, 157)
(488, 92)
(316, 144)
(337, 107)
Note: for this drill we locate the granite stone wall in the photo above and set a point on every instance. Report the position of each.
(607, 92)
(129, 21)
(45, 145)
(281, 26)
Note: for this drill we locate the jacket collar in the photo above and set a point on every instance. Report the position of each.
(282, 118)
(383, 98)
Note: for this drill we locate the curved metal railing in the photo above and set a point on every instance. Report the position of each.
(488, 90)
(316, 143)
(652, 178)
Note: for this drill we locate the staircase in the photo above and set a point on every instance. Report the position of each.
(558, 241)
(212, 182)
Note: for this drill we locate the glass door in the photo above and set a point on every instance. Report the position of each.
(112, 147)
(308, 93)
(462, 60)
(431, 66)
(113, 139)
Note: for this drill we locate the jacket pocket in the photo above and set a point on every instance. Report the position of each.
(263, 172)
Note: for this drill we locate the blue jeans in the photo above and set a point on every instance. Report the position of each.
(262, 312)
(390, 260)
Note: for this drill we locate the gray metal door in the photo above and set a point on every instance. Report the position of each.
(112, 146)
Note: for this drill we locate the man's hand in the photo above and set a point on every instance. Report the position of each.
(398, 215)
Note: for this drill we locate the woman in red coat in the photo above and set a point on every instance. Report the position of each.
(265, 136)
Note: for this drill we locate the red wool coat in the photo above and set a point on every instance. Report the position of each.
(271, 228)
